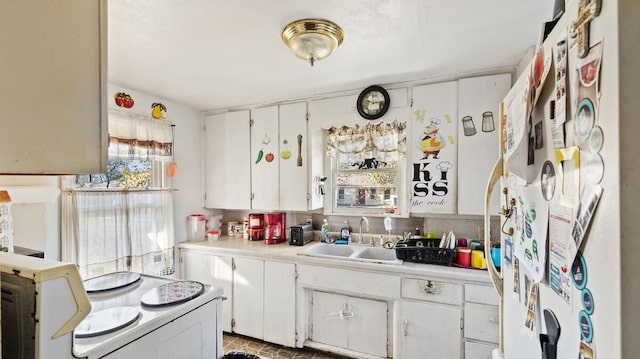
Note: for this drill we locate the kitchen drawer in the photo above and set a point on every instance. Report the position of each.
(481, 322)
(474, 350)
(480, 294)
(432, 290)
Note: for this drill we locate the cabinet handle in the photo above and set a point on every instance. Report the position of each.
(494, 320)
(405, 324)
(430, 288)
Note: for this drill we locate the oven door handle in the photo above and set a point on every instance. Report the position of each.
(83, 305)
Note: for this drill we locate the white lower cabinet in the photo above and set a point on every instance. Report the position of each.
(475, 350)
(212, 270)
(280, 303)
(248, 299)
(430, 330)
(261, 294)
(481, 321)
(355, 324)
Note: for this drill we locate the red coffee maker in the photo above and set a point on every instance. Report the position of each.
(276, 227)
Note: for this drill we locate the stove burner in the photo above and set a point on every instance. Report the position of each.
(106, 321)
(110, 281)
(172, 293)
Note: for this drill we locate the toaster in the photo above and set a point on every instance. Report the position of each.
(300, 234)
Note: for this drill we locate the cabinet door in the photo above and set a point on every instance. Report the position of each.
(227, 156)
(368, 326)
(294, 169)
(478, 122)
(265, 168)
(280, 303)
(432, 149)
(356, 324)
(213, 270)
(473, 350)
(430, 331)
(53, 85)
(248, 289)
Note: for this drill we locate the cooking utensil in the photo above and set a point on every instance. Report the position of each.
(299, 160)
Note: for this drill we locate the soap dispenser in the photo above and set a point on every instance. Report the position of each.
(325, 231)
(345, 232)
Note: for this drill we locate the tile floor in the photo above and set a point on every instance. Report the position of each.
(238, 343)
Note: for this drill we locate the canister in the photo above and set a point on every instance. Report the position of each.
(477, 259)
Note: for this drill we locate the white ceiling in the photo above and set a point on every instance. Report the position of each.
(214, 54)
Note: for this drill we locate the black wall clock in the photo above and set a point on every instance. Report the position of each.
(373, 102)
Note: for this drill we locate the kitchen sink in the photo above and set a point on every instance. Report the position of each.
(352, 253)
(330, 250)
(376, 253)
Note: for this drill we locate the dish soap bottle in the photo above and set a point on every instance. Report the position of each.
(325, 231)
(345, 232)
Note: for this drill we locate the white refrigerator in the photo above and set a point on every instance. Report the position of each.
(567, 174)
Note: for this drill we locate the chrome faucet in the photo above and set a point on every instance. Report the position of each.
(366, 221)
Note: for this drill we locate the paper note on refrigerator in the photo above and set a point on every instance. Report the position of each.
(530, 241)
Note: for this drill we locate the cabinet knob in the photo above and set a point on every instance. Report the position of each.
(430, 288)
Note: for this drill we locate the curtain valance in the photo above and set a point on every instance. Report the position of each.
(382, 141)
(134, 136)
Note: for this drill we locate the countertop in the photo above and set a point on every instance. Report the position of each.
(238, 246)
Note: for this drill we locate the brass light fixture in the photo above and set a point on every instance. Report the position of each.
(312, 39)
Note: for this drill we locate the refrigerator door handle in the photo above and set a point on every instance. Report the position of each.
(496, 173)
(496, 279)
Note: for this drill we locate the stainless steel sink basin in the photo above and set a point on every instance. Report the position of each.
(352, 253)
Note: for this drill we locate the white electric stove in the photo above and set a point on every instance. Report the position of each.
(140, 316)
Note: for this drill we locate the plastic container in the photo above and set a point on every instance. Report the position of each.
(196, 224)
(213, 235)
(463, 257)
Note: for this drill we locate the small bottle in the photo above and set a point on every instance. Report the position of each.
(325, 231)
(417, 232)
(345, 232)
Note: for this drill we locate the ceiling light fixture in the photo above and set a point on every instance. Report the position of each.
(312, 39)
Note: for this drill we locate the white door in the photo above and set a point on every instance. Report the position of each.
(430, 331)
(280, 303)
(294, 157)
(432, 149)
(227, 156)
(356, 324)
(478, 122)
(329, 315)
(368, 326)
(213, 270)
(248, 302)
(265, 167)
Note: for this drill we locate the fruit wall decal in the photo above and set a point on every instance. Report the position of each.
(124, 100)
(158, 110)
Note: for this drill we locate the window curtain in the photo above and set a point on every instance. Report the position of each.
(382, 141)
(125, 229)
(133, 136)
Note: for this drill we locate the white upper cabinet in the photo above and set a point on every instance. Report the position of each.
(52, 87)
(279, 158)
(227, 179)
(294, 157)
(478, 130)
(265, 167)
